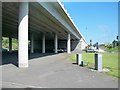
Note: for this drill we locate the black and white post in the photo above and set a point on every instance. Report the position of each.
(98, 62)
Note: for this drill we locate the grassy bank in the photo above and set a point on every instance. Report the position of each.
(5, 43)
(115, 49)
(110, 61)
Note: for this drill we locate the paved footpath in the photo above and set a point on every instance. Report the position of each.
(54, 71)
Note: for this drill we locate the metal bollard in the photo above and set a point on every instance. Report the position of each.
(98, 62)
(79, 59)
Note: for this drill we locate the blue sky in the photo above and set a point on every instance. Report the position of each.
(97, 21)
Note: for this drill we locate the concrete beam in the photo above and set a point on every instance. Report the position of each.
(57, 14)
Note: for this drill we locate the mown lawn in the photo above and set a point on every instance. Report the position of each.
(115, 49)
(110, 61)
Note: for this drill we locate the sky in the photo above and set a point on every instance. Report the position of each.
(97, 21)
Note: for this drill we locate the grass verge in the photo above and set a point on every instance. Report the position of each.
(115, 49)
(110, 61)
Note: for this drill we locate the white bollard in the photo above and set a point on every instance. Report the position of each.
(79, 59)
(98, 62)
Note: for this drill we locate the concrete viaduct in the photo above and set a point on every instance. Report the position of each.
(47, 26)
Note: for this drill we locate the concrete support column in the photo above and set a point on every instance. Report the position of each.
(0, 43)
(32, 43)
(1, 78)
(23, 35)
(10, 44)
(56, 43)
(43, 43)
(68, 44)
(81, 44)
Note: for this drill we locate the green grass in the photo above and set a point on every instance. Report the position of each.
(5, 43)
(110, 61)
(115, 49)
